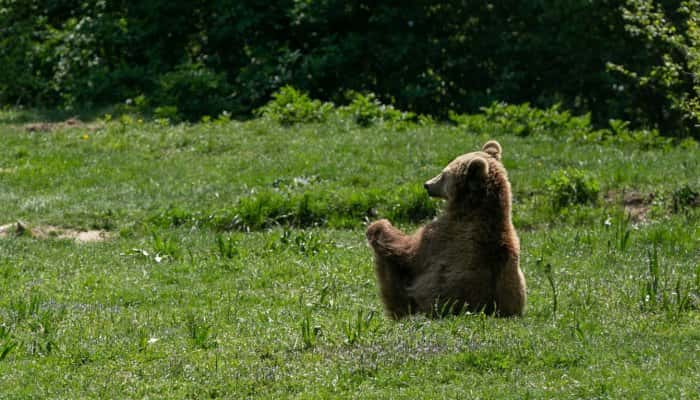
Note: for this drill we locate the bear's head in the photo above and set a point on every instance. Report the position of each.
(472, 178)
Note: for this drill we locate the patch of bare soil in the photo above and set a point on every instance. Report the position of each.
(53, 232)
(637, 204)
(53, 126)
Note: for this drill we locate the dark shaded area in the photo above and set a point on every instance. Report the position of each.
(195, 58)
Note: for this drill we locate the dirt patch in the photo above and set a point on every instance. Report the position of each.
(53, 126)
(53, 232)
(637, 204)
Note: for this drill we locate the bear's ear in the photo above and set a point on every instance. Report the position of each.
(477, 167)
(492, 148)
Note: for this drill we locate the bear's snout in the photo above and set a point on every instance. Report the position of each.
(430, 188)
(434, 187)
(426, 185)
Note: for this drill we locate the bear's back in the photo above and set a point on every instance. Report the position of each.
(460, 265)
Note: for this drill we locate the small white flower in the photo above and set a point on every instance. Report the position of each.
(608, 222)
(158, 258)
(152, 340)
(140, 251)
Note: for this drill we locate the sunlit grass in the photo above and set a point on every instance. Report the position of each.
(238, 267)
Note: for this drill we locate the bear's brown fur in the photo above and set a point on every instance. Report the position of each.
(467, 259)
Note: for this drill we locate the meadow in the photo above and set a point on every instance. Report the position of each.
(232, 261)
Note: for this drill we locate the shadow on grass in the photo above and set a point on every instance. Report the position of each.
(19, 115)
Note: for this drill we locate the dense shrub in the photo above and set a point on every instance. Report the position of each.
(524, 120)
(684, 198)
(194, 91)
(290, 106)
(366, 110)
(571, 186)
(667, 90)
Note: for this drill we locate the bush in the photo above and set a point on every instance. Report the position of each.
(194, 91)
(290, 106)
(524, 120)
(666, 89)
(366, 110)
(684, 198)
(572, 186)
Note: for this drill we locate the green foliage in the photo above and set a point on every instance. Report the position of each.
(200, 331)
(290, 106)
(620, 132)
(423, 57)
(572, 186)
(669, 83)
(549, 273)
(355, 328)
(25, 55)
(411, 203)
(309, 333)
(524, 120)
(166, 113)
(306, 242)
(227, 246)
(367, 110)
(165, 247)
(268, 209)
(684, 198)
(192, 91)
(30, 314)
(6, 342)
(660, 293)
(621, 226)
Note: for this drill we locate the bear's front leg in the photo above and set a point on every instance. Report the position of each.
(392, 259)
(388, 242)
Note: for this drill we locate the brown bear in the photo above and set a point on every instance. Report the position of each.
(467, 259)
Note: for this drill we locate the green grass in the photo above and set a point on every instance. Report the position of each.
(239, 268)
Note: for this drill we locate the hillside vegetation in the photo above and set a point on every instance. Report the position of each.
(633, 60)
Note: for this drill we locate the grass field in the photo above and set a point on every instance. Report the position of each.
(235, 265)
